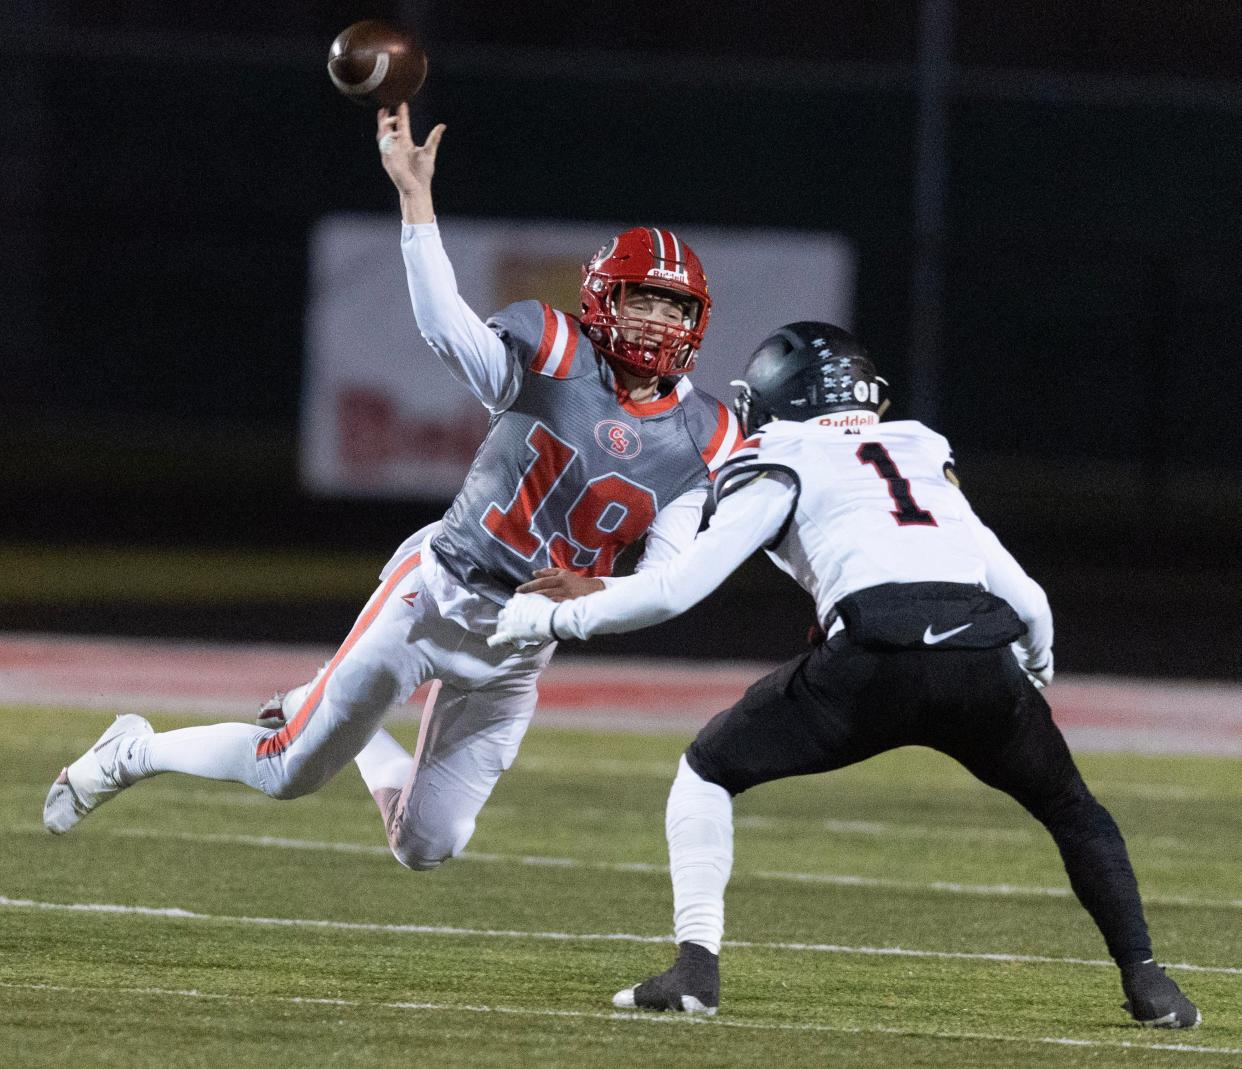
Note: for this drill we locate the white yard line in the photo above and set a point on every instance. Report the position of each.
(176, 913)
(998, 890)
(986, 890)
(659, 1020)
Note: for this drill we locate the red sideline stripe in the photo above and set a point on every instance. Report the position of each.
(722, 426)
(545, 343)
(274, 745)
(571, 347)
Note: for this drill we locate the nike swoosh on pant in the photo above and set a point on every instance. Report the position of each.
(931, 638)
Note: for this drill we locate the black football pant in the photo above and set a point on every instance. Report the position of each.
(840, 704)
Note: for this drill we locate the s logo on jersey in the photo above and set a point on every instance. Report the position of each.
(618, 439)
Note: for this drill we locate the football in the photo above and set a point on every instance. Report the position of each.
(373, 62)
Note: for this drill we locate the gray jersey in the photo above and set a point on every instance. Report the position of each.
(569, 474)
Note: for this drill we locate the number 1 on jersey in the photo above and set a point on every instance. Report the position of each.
(907, 513)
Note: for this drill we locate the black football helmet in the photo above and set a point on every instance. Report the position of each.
(807, 369)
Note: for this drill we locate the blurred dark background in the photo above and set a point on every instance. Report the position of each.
(163, 165)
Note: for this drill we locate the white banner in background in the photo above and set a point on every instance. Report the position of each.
(381, 417)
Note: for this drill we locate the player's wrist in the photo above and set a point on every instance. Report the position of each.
(416, 207)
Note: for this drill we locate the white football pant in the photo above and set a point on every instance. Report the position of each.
(429, 801)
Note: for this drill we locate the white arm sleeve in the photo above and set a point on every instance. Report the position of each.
(469, 348)
(673, 529)
(670, 532)
(745, 520)
(1006, 579)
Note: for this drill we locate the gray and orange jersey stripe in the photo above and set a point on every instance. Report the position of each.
(276, 744)
(724, 441)
(555, 355)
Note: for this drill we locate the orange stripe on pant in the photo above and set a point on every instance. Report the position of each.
(274, 745)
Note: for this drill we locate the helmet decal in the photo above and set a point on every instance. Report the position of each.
(603, 254)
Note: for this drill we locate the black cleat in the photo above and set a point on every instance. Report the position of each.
(692, 985)
(1154, 1000)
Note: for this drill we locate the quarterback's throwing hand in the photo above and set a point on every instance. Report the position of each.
(409, 165)
(525, 619)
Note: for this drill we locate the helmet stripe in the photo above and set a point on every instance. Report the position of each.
(657, 248)
(677, 257)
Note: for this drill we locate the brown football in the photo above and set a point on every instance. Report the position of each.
(373, 62)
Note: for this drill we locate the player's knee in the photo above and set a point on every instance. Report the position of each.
(288, 789)
(296, 783)
(705, 763)
(423, 852)
(416, 862)
(1075, 815)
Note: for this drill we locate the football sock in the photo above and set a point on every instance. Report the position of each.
(699, 825)
(216, 751)
(384, 763)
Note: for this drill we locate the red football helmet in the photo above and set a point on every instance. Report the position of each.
(651, 259)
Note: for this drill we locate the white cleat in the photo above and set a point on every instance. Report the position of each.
(624, 1000)
(93, 778)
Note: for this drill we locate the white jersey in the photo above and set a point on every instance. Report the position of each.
(839, 512)
(878, 507)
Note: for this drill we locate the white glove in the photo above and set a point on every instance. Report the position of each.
(525, 619)
(1039, 674)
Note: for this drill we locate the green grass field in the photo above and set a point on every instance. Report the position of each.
(262, 933)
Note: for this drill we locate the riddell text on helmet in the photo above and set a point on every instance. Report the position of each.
(675, 276)
(849, 419)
